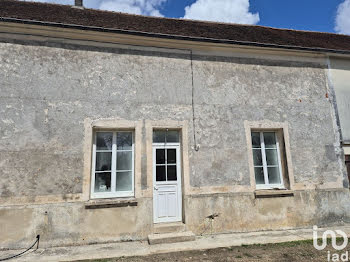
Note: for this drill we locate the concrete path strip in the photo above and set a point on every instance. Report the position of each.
(142, 248)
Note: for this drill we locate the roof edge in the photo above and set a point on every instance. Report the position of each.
(180, 18)
(174, 37)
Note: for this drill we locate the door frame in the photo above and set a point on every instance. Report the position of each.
(178, 182)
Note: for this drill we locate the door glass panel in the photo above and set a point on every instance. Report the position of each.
(171, 156)
(172, 136)
(270, 139)
(160, 156)
(159, 136)
(124, 140)
(172, 176)
(103, 161)
(124, 160)
(103, 182)
(256, 140)
(274, 175)
(271, 157)
(124, 181)
(259, 175)
(104, 140)
(257, 157)
(160, 173)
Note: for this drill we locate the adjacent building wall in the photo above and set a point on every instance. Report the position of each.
(50, 91)
(340, 77)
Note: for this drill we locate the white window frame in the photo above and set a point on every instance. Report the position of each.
(263, 154)
(113, 193)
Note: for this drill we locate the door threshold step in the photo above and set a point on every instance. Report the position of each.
(174, 227)
(171, 237)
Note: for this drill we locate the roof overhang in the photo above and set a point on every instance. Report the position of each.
(108, 35)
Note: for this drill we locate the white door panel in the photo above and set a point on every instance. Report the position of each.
(167, 197)
(172, 205)
(162, 207)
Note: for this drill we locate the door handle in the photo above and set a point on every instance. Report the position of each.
(155, 188)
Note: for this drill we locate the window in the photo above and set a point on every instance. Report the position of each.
(267, 160)
(165, 136)
(347, 163)
(113, 165)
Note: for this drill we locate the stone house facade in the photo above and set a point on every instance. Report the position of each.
(114, 127)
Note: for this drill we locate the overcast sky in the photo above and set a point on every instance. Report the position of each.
(315, 15)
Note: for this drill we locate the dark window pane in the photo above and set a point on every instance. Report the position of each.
(124, 160)
(160, 156)
(274, 175)
(259, 175)
(160, 173)
(159, 136)
(102, 182)
(103, 161)
(124, 140)
(256, 139)
(104, 140)
(257, 157)
(347, 163)
(172, 136)
(124, 181)
(270, 139)
(171, 156)
(172, 176)
(271, 157)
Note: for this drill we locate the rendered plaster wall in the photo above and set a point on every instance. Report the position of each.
(72, 224)
(47, 92)
(244, 212)
(340, 79)
(62, 224)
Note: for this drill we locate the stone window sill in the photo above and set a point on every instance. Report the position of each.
(273, 193)
(110, 203)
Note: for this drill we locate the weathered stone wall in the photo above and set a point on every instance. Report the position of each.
(47, 92)
(229, 91)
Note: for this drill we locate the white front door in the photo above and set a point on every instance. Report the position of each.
(167, 197)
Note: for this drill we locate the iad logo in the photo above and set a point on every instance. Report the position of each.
(333, 237)
(331, 234)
